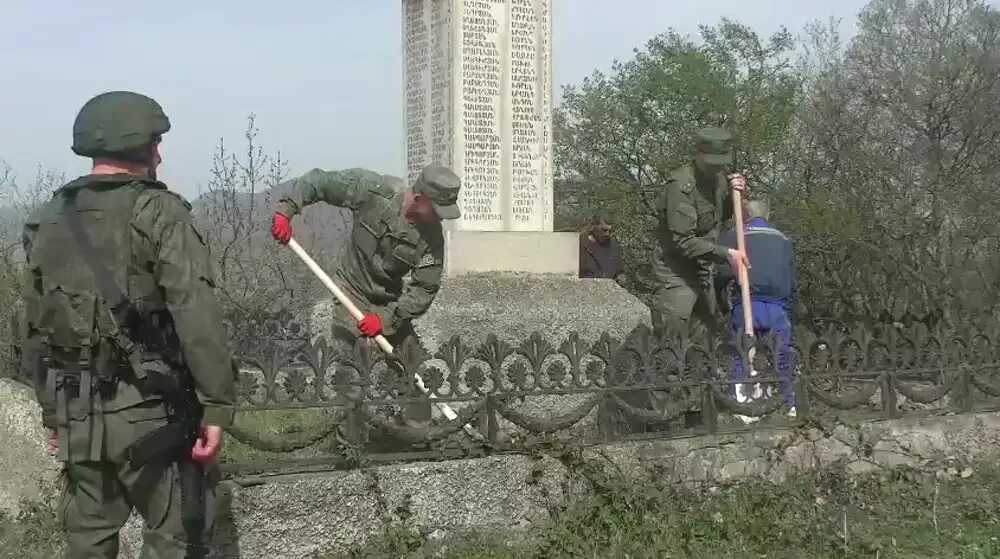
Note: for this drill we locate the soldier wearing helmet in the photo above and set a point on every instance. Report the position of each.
(124, 340)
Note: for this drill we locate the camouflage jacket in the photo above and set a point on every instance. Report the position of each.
(384, 248)
(691, 216)
(149, 243)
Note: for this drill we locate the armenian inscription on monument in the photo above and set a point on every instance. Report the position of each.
(479, 99)
(427, 44)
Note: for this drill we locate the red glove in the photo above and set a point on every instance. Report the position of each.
(370, 325)
(281, 228)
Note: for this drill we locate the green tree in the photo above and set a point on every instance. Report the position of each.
(899, 131)
(618, 136)
(880, 155)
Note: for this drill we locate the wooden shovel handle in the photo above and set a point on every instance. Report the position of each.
(744, 276)
(344, 300)
(357, 314)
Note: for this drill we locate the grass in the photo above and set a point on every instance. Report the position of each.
(903, 514)
(33, 535)
(276, 426)
(827, 514)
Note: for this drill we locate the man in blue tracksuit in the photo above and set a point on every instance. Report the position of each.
(773, 287)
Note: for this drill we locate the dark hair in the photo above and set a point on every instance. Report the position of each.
(602, 216)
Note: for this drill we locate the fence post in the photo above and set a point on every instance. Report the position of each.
(491, 423)
(803, 407)
(709, 410)
(964, 398)
(889, 404)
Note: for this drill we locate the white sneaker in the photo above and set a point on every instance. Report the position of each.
(740, 396)
(758, 390)
(792, 412)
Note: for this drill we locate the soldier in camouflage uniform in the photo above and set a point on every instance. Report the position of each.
(695, 203)
(394, 234)
(125, 343)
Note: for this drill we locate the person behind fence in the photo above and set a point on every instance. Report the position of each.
(695, 201)
(772, 291)
(125, 342)
(394, 234)
(600, 252)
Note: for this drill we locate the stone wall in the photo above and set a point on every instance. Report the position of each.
(27, 472)
(509, 493)
(299, 516)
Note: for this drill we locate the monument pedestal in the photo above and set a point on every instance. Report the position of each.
(513, 306)
(531, 252)
(516, 284)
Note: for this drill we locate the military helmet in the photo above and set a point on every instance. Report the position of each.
(119, 125)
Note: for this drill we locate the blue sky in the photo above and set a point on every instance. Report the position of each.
(324, 77)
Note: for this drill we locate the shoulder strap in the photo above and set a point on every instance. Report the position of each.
(122, 311)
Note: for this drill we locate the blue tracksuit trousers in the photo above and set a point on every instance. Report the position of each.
(768, 318)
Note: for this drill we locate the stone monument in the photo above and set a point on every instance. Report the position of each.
(478, 84)
(478, 80)
(479, 99)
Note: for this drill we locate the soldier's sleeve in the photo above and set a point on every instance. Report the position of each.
(419, 294)
(183, 270)
(31, 355)
(322, 186)
(682, 220)
(724, 269)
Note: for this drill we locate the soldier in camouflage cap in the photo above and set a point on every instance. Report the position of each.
(394, 234)
(124, 341)
(694, 204)
(692, 207)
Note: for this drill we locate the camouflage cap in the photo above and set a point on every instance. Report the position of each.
(715, 145)
(441, 186)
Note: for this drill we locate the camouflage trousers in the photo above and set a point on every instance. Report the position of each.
(684, 302)
(344, 334)
(97, 499)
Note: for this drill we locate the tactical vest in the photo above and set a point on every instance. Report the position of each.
(73, 323)
(84, 246)
(73, 314)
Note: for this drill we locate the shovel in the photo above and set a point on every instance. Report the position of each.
(744, 281)
(379, 339)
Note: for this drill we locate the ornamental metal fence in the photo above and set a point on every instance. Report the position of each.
(307, 402)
